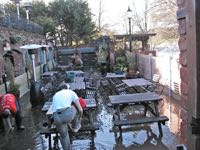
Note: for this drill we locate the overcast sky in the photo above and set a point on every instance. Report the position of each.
(115, 12)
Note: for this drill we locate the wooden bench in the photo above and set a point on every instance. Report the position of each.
(161, 119)
(143, 120)
(86, 128)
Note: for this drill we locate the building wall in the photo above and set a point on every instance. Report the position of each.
(181, 16)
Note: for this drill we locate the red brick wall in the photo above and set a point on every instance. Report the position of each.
(181, 16)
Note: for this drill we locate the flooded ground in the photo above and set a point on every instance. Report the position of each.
(144, 137)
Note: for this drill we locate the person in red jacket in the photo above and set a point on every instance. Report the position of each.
(9, 107)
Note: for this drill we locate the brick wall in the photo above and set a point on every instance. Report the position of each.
(181, 16)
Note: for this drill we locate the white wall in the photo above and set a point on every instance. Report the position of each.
(168, 67)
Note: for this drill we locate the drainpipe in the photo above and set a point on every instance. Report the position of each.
(45, 66)
(5, 82)
(33, 66)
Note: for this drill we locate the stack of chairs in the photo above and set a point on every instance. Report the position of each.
(90, 88)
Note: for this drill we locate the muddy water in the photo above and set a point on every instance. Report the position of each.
(140, 137)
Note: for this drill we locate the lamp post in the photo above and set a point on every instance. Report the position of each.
(17, 5)
(27, 7)
(129, 12)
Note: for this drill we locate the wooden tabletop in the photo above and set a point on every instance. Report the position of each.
(114, 75)
(48, 73)
(90, 103)
(134, 98)
(78, 79)
(137, 82)
(78, 73)
(77, 85)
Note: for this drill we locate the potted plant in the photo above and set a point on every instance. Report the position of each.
(120, 62)
(131, 65)
(13, 88)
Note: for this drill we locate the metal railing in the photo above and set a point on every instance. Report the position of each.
(10, 19)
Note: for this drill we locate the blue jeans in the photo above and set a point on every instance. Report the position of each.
(61, 120)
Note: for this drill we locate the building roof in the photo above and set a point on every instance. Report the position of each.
(81, 50)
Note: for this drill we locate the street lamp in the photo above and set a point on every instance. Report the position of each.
(17, 4)
(27, 7)
(129, 12)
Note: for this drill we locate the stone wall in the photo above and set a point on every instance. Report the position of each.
(17, 54)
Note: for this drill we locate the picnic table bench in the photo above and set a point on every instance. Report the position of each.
(92, 127)
(144, 99)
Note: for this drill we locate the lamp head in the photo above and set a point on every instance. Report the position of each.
(129, 12)
(27, 6)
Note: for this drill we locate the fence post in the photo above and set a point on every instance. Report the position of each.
(150, 66)
(170, 89)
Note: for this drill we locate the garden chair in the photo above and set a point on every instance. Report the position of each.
(160, 86)
(155, 81)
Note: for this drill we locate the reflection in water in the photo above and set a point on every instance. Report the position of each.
(138, 137)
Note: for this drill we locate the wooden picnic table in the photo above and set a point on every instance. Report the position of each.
(88, 111)
(47, 107)
(145, 99)
(114, 75)
(78, 73)
(137, 82)
(77, 85)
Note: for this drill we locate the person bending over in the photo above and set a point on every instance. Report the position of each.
(65, 106)
(9, 107)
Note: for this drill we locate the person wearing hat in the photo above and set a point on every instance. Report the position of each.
(9, 108)
(66, 110)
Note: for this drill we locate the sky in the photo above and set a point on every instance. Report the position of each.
(114, 12)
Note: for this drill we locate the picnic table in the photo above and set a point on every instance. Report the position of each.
(136, 82)
(114, 75)
(77, 85)
(77, 73)
(48, 74)
(88, 111)
(47, 107)
(144, 99)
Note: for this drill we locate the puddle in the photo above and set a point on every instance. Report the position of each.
(138, 137)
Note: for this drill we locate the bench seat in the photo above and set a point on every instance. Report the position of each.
(83, 129)
(142, 120)
(49, 131)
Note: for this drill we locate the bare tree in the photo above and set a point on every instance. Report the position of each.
(100, 14)
(158, 16)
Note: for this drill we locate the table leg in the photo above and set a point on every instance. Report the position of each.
(120, 128)
(49, 141)
(158, 114)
